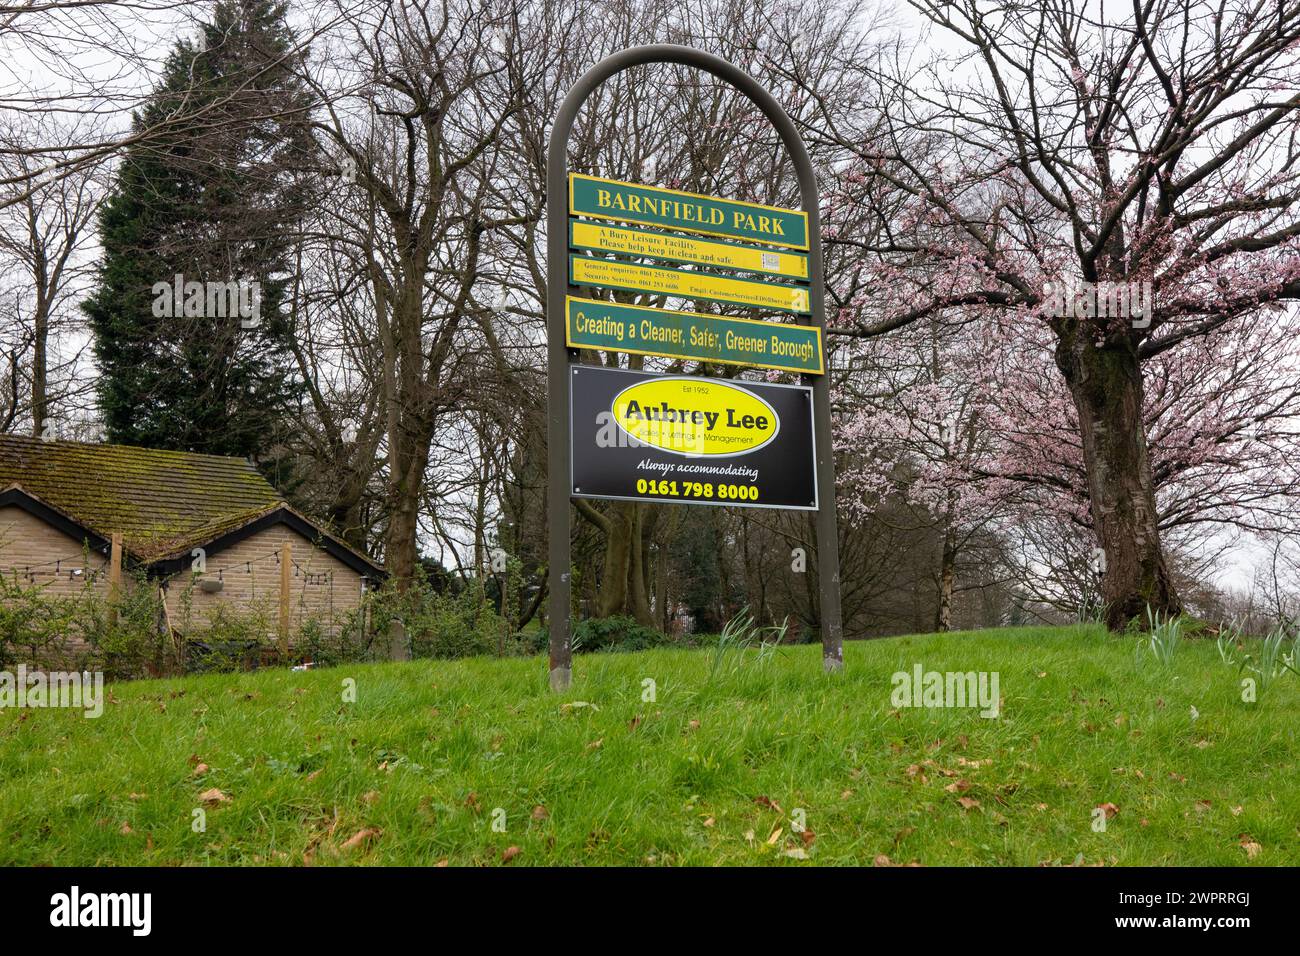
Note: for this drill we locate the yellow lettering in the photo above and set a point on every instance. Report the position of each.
(602, 197)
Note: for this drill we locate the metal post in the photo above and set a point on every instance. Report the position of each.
(559, 355)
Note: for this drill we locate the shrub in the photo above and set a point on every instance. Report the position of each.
(618, 633)
(460, 624)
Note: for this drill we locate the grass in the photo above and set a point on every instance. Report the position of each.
(713, 771)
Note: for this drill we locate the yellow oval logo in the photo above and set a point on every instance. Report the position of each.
(695, 416)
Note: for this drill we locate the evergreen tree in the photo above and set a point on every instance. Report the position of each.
(216, 202)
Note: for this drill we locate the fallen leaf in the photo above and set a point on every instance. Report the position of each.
(213, 796)
(370, 797)
(808, 836)
(709, 821)
(694, 725)
(126, 829)
(1250, 846)
(509, 853)
(774, 836)
(472, 802)
(768, 802)
(796, 853)
(634, 722)
(200, 770)
(596, 744)
(540, 812)
(1109, 809)
(968, 803)
(882, 860)
(958, 786)
(360, 838)
(1236, 811)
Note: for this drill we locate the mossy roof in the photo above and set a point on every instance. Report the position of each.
(160, 501)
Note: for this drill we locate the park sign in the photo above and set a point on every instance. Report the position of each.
(671, 438)
(687, 212)
(685, 439)
(687, 284)
(613, 326)
(598, 237)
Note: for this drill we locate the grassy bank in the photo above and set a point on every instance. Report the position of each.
(476, 762)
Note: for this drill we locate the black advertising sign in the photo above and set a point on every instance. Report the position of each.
(687, 439)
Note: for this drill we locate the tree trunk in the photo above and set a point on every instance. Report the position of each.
(947, 580)
(638, 597)
(947, 567)
(618, 545)
(1105, 382)
(40, 373)
(401, 550)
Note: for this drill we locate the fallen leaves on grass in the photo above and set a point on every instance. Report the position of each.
(968, 803)
(765, 801)
(540, 812)
(1108, 808)
(213, 797)
(1249, 845)
(509, 853)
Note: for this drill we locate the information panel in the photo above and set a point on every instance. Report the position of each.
(691, 440)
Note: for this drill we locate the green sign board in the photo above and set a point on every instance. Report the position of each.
(689, 212)
(689, 335)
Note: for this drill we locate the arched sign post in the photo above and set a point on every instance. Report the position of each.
(759, 404)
